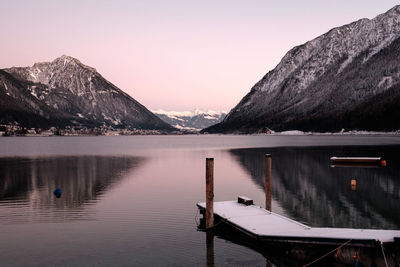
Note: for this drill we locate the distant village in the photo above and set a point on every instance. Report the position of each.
(17, 130)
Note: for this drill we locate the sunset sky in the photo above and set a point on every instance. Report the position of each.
(173, 55)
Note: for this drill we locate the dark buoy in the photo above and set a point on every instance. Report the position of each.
(57, 192)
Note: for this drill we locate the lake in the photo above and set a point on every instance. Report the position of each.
(131, 200)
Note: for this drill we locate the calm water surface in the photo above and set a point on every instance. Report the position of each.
(130, 201)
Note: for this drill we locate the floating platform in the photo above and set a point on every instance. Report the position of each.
(358, 161)
(264, 225)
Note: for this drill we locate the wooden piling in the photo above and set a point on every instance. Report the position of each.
(209, 193)
(268, 170)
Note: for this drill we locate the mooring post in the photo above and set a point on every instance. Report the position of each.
(268, 170)
(209, 193)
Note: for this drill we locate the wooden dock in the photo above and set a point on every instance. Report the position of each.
(282, 239)
(264, 225)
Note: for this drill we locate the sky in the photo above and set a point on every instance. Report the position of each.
(173, 55)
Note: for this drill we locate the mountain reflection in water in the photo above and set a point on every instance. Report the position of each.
(311, 191)
(27, 185)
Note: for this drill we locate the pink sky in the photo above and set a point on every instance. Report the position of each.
(173, 55)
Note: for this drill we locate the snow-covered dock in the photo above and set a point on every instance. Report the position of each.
(264, 225)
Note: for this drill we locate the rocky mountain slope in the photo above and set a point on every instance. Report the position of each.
(346, 78)
(18, 105)
(191, 120)
(66, 92)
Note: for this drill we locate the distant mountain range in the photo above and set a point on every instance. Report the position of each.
(191, 120)
(66, 92)
(346, 78)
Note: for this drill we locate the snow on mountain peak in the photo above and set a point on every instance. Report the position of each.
(65, 60)
(193, 120)
(190, 113)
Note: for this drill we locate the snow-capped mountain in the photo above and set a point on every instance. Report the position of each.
(66, 92)
(191, 120)
(346, 78)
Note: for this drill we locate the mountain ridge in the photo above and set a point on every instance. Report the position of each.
(302, 91)
(80, 94)
(193, 121)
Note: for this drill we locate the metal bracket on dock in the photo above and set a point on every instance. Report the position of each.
(245, 200)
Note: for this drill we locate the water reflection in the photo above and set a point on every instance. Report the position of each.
(210, 248)
(27, 186)
(311, 191)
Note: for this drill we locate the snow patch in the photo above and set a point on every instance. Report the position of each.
(7, 92)
(380, 46)
(33, 75)
(209, 117)
(386, 82)
(262, 222)
(293, 132)
(186, 128)
(115, 122)
(346, 63)
(176, 118)
(342, 132)
(34, 94)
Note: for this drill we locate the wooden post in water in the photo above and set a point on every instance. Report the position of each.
(209, 193)
(268, 170)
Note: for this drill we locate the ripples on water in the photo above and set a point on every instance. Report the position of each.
(135, 204)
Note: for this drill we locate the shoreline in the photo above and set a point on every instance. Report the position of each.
(157, 133)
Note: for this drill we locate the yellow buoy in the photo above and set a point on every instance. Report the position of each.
(353, 184)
